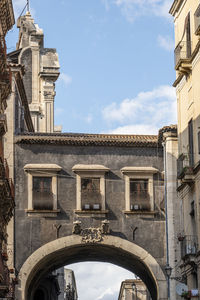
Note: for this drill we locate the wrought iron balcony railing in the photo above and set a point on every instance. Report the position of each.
(189, 245)
(197, 21)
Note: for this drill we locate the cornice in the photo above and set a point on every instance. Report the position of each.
(88, 139)
(175, 7)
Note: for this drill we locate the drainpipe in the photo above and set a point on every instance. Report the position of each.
(167, 268)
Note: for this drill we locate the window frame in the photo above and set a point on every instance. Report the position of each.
(90, 171)
(37, 197)
(143, 173)
(42, 170)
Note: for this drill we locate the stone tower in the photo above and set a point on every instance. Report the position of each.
(41, 72)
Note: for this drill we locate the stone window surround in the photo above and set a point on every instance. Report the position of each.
(42, 170)
(90, 171)
(138, 173)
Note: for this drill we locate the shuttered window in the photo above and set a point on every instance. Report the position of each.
(90, 193)
(190, 141)
(42, 193)
(199, 142)
(139, 194)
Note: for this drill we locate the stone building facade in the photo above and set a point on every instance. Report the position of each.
(71, 292)
(19, 120)
(186, 15)
(168, 136)
(81, 196)
(80, 186)
(6, 184)
(133, 289)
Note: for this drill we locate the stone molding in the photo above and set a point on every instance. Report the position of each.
(90, 171)
(42, 170)
(150, 141)
(138, 173)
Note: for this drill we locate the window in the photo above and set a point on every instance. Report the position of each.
(139, 194)
(139, 188)
(90, 187)
(188, 35)
(42, 193)
(190, 142)
(199, 142)
(42, 187)
(90, 193)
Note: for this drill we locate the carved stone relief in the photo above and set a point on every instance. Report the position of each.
(91, 234)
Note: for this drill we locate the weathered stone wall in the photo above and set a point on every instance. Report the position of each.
(26, 60)
(33, 232)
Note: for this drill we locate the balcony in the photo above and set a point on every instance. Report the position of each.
(5, 74)
(2, 54)
(197, 21)
(5, 86)
(4, 169)
(182, 57)
(3, 124)
(189, 246)
(4, 278)
(184, 169)
(6, 192)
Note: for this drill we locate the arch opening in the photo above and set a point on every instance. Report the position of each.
(39, 295)
(113, 250)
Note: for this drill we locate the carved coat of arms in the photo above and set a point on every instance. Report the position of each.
(91, 235)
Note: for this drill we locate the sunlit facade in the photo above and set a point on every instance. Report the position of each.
(186, 15)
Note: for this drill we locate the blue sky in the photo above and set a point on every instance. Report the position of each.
(116, 59)
(117, 70)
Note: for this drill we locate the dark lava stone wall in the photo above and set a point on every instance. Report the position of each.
(32, 232)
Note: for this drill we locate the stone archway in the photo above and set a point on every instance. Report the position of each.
(39, 295)
(72, 249)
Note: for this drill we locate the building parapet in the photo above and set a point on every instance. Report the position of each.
(89, 139)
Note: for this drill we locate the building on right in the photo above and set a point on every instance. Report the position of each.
(133, 289)
(186, 15)
(70, 290)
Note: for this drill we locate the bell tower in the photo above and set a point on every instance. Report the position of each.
(41, 71)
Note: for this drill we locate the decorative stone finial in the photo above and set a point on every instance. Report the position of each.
(105, 229)
(76, 227)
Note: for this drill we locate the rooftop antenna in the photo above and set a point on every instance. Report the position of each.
(28, 5)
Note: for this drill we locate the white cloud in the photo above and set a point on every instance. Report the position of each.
(166, 42)
(65, 78)
(135, 129)
(107, 292)
(106, 4)
(89, 118)
(131, 9)
(89, 274)
(147, 111)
